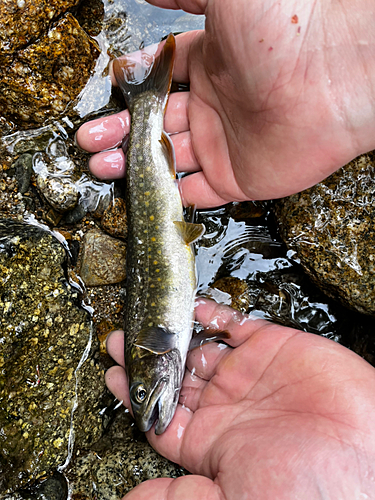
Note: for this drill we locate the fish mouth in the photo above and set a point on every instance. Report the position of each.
(160, 407)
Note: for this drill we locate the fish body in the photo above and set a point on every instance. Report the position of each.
(161, 282)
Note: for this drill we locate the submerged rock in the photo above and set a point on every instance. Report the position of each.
(331, 227)
(119, 461)
(103, 259)
(50, 382)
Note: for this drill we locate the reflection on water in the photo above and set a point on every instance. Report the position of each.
(249, 251)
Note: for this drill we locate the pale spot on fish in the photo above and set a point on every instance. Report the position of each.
(145, 231)
(151, 324)
(153, 304)
(152, 217)
(138, 145)
(140, 158)
(141, 184)
(148, 169)
(153, 238)
(147, 193)
(155, 262)
(157, 270)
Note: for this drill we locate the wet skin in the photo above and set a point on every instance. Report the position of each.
(280, 414)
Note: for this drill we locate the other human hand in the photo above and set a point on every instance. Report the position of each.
(280, 414)
(281, 95)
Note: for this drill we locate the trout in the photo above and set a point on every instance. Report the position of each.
(161, 282)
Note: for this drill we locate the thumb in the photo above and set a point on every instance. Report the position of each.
(182, 488)
(192, 6)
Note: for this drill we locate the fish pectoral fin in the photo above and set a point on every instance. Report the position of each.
(156, 339)
(189, 232)
(207, 336)
(169, 153)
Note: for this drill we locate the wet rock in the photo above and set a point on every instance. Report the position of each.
(44, 77)
(103, 259)
(114, 219)
(50, 382)
(23, 168)
(332, 230)
(60, 192)
(23, 22)
(90, 16)
(54, 487)
(237, 292)
(120, 460)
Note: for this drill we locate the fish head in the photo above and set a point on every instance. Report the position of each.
(154, 386)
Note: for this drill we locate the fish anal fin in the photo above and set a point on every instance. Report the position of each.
(156, 339)
(206, 337)
(190, 232)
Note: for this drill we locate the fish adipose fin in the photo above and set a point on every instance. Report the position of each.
(189, 232)
(156, 339)
(139, 73)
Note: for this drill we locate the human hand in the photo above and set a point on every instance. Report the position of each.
(281, 95)
(280, 414)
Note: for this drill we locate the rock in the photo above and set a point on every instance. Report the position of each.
(114, 219)
(331, 227)
(23, 22)
(23, 168)
(236, 289)
(50, 382)
(43, 78)
(103, 259)
(120, 460)
(60, 192)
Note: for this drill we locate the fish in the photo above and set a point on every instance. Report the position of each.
(160, 262)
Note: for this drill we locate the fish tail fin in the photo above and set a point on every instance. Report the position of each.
(139, 73)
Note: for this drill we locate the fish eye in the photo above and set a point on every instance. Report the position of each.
(140, 393)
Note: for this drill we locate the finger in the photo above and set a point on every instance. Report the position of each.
(181, 488)
(223, 318)
(192, 6)
(202, 361)
(104, 133)
(108, 164)
(191, 390)
(195, 190)
(176, 115)
(185, 157)
(115, 346)
(117, 383)
(169, 443)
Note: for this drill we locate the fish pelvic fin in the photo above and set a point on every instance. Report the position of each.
(208, 336)
(156, 339)
(189, 231)
(145, 73)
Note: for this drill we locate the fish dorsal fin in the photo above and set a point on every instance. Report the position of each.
(207, 336)
(141, 72)
(189, 232)
(169, 153)
(156, 339)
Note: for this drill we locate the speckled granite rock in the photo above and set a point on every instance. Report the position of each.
(23, 21)
(50, 381)
(331, 226)
(103, 259)
(119, 461)
(41, 79)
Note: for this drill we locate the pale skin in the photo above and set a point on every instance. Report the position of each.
(276, 104)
